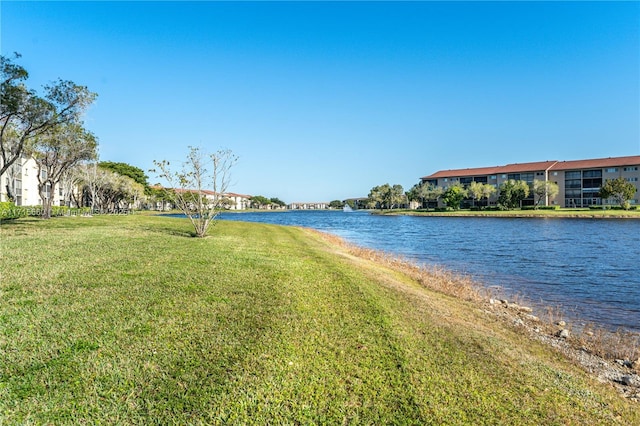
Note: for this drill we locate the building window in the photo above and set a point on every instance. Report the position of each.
(493, 177)
(446, 180)
(504, 176)
(630, 169)
(592, 173)
(632, 179)
(611, 170)
(466, 181)
(539, 173)
(555, 173)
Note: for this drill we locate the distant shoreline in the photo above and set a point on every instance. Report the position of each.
(562, 214)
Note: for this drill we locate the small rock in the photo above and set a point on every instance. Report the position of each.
(533, 318)
(620, 362)
(589, 333)
(525, 309)
(564, 333)
(636, 364)
(518, 322)
(492, 301)
(513, 306)
(626, 380)
(504, 301)
(561, 323)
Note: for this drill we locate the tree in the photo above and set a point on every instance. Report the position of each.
(158, 194)
(278, 202)
(620, 190)
(512, 192)
(258, 201)
(336, 204)
(475, 191)
(56, 151)
(200, 205)
(24, 115)
(543, 190)
(115, 192)
(453, 196)
(124, 169)
(397, 196)
(487, 191)
(375, 198)
(92, 178)
(385, 196)
(414, 193)
(430, 192)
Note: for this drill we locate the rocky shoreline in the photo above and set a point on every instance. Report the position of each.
(622, 374)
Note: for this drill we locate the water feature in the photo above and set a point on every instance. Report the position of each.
(588, 267)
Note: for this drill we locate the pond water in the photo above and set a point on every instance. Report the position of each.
(590, 268)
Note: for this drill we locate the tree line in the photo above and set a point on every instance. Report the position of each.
(511, 194)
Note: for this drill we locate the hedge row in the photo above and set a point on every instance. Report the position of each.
(9, 211)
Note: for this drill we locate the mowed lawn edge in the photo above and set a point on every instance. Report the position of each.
(124, 320)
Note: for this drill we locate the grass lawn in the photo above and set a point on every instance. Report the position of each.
(128, 320)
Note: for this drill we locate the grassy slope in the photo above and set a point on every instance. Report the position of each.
(128, 320)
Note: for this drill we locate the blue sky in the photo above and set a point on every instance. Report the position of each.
(324, 100)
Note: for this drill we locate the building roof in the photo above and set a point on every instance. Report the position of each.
(632, 160)
(481, 171)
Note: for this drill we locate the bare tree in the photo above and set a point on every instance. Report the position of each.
(91, 177)
(199, 187)
(69, 182)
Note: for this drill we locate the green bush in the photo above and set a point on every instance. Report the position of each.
(9, 211)
(549, 207)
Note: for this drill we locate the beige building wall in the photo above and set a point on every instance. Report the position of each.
(22, 180)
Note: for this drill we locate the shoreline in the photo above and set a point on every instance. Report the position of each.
(590, 347)
(519, 214)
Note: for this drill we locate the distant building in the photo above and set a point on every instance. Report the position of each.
(308, 206)
(232, 201)
(238, 201)
(578, 181)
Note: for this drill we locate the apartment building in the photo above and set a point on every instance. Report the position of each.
(579, 181)
(20, 184)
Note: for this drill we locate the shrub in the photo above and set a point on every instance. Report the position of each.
(9, 211)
